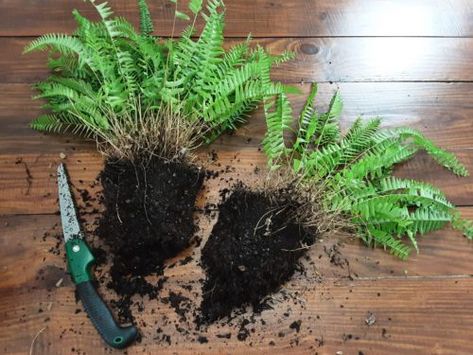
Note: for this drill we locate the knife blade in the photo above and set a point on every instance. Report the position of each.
(69, 220)
(79, 261)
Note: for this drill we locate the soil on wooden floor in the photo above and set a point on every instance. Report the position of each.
(253, 249)
(148, 218)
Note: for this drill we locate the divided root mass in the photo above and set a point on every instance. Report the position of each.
(148, 218)
(253, 249)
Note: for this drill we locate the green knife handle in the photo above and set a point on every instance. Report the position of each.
(100, 315)
(79, 261)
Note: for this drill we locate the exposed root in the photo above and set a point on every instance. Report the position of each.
(159, 133)
(303, 199)
(34, 339)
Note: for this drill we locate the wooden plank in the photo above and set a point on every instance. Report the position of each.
(26, 242)
(318, 59)
(293, 18)
(28, 182)
(17, 110)
(442, 111)
(413, 317)
(421, 306)
(332, 307)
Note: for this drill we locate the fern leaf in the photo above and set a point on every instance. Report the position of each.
(146, 23)
(181, 15)
(375, 237)
(377, 165)
(328, 131)
(63, 43)
(61, 124)
(393, 184)
(278, 118)
(195, 6)
(444, 158)
(308, 120)
(426, 220)
(103, 9)
(462, 225)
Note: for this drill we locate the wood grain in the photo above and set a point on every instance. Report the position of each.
(318, 59)
(30, 237)
(34, 190)
(413, 316)
(442, 111)
(332, 308)
(265, 18)
(407, 61)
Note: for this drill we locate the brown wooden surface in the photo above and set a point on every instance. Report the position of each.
(419, 305)
(441, 110)
(266, 18)
(407, 61)
(325, 59)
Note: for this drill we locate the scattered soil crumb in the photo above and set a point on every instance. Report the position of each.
(201, 339)
(296, 325)
(29, 177)
(370, 319)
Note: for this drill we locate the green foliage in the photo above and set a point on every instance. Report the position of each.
(107, 73)
(146, 23)
(356, 170)
(195, 6)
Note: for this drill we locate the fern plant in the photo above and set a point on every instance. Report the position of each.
(356, 169)
(129, 89)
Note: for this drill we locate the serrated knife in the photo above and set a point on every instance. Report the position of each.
(79, 261)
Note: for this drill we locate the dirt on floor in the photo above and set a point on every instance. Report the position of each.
(247, 261)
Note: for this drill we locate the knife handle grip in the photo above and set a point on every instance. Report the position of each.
(114, 335)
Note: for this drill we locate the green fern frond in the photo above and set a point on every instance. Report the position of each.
(278, 113)
(425, 220)
(359, 137)
(47, 123)
(462, 225)
(146, 23)
(103, 9)
(181, 15)
(328, 159)
(107, 73)
(63, 43)
(378, 165)
(308, 121)
(376, 237)
(328, 131)
(78, 85)
(393, 184)
(61, 124)
(356, 171)
(444, 158)
(283, 57)
(195, 6)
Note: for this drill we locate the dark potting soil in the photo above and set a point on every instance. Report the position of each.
(253, 249)
(148, 218)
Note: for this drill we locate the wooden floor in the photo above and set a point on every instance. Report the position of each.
(409, 61)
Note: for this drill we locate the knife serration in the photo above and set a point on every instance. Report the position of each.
(70, 223)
